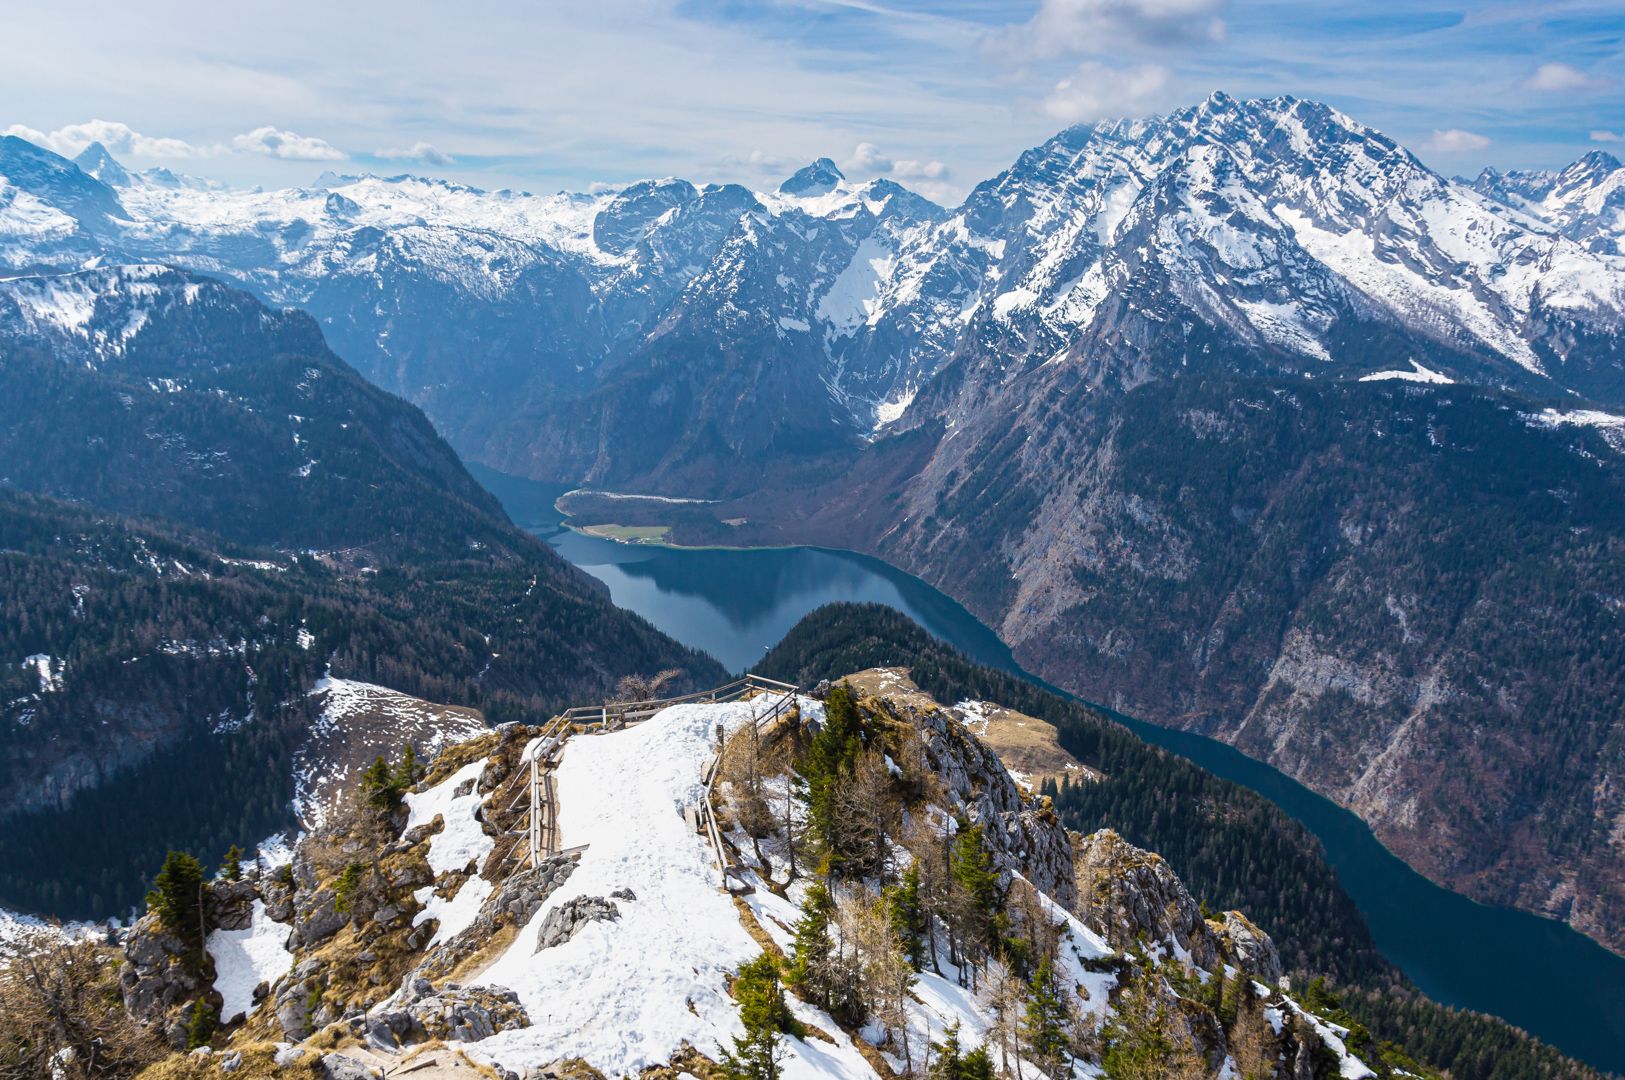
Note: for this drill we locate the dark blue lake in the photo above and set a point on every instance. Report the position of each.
(735, 604)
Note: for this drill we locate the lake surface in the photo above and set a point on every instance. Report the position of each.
(735, 604)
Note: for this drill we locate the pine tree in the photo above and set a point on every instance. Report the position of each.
(200, 1026)
(973, 870)
(948, 1062)
(378, 784)
(232, 868)
(908, 917)
(1044, 1027)
(828, 757)
(767, 1019)
(177, 897)
(978, 1065)
(810, 956)
(349, 884)
(408, 772)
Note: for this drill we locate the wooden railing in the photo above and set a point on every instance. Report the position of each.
(635, 712)
(782, 705)
(538, 823)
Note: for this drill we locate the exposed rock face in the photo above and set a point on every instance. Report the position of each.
(515, 901)
(1125, 893)
(155, 975)
(566, 920)
(341, 1067)
(229, 905)
(454, 1014)
(1021, 836)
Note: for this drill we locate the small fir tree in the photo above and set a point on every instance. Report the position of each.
(829, 757)
(978, 1065)
(811, 950)
(908, 917)
(948, 1059)
(232, 868)
(1044, 1028)
(385, 787)
(200, 1026)
(177, 897)
(767, 1019)
(378, 785)
(349, 884)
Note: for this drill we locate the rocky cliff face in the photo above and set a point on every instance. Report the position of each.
(1129, 895)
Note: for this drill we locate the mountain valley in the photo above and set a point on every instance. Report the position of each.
(1238, 420)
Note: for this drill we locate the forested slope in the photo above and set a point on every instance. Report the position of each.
(1233, 848)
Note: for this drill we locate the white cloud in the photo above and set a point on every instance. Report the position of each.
(120, 140)
(1095, 92)
(1454, 141)
(914, 170)
(868, 160)
(1561, 77)
(1606, 136)
(420, 151)
(286, 145)
(1099, 26)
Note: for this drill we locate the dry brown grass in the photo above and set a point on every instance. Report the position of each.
(61, 1015)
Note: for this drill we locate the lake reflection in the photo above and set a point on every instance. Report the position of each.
(737, 604)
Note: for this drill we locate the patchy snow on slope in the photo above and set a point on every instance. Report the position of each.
(456, 914)
(359, 722)
(627, 993)
(1583, 417)
(854, 297)
(462, 840)
(1420, 374)
(460, 844)
(245, 958)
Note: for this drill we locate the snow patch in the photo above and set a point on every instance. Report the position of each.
(245, 958)
(462, 840)
(1419, 375)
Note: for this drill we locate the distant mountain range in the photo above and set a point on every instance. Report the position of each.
(1238, 419)
(1259, 236)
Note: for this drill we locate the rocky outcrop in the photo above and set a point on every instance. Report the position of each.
(453, 1014)
(159, 973)
(1130, 896)
(1023, 837)
(515, 901)
(162, 974)
(565, 921)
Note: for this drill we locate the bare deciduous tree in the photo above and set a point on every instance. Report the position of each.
(644, 687)
(61, 1019)
(867, 815)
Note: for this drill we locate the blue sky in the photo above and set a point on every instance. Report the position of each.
(544, 95)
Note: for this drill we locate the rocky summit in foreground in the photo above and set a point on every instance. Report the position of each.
(895, 906)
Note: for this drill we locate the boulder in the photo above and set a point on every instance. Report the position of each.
(452, 1014)
(1251, 949)
(229, 905)
(340, 1067)
(566, 920)
(156, 975)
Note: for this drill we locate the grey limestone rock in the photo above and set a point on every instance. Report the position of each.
(340, 1067)
(566, 920)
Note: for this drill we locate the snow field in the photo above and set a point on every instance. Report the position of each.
(245, 958)
(460, 842)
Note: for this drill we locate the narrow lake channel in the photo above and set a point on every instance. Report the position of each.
(735, 604)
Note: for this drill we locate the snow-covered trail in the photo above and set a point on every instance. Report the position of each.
(627, 993)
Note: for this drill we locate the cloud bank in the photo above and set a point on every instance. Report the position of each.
(120, 139)
(421, 151)
(1454, 141)
(286, 145)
